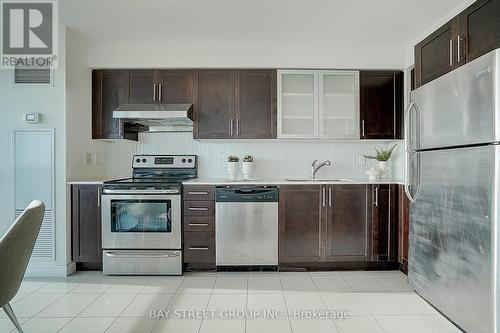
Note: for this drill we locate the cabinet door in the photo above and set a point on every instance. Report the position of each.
(347, 223)
(339, 105)
(384, 228)
(297, 104)
(403, 228)
(108, 92)
(435, 55)
(175, 86)
(479, 29)
(381, 95)
(214, 104)
(141, 86)
(86, 223)
(255, 114)
(300, 223)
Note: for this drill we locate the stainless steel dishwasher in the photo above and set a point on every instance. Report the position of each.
(246, 226)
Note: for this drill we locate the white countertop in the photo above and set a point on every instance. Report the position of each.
(352, 181)
(85, 181)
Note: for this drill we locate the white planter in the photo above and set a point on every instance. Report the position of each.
(383, 167)
(232, 170)
(248, 169)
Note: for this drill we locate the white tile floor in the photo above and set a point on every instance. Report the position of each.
(90, 302)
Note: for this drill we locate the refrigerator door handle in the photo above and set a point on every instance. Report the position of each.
(407, 148)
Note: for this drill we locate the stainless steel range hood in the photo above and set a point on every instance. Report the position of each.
(157, 117)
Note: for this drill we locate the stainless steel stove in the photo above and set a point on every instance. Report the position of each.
(141, 216)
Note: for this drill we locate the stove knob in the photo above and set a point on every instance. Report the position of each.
(190, 160)
(144, 160)
(183, 160)
(138, 160)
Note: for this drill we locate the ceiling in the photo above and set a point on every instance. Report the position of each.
(395, 22)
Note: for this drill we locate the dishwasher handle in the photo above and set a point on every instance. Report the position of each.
(247, 194)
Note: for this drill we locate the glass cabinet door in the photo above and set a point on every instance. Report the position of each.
(339, 104)
(298, 104)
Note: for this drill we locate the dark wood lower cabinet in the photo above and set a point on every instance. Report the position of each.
(338, 226)
(86, 225)
(199, 227)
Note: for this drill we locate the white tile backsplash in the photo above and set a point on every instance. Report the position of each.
(275, 159)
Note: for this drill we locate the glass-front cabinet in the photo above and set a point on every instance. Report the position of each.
(318, 104)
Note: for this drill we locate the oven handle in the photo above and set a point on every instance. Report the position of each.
(108, 191)
(149, 255)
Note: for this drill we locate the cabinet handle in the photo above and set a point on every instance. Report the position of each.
(330, 196)
(451, 53)
(362, 128)
(376, 197)
(458, 49)
(160, 92)
(99, 196)
(231, 127)
(237, 126)
(154, 92)
(323, 197)
(198, 193)
(198, 208)
(199, 248)
(199, 224)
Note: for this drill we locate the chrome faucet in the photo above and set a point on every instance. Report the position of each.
(315, 168)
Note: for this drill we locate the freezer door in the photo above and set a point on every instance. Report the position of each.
(461, 107)
(453, 234)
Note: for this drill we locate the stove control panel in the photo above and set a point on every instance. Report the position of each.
(164, 161)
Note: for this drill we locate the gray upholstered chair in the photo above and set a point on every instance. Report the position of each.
(15, 252)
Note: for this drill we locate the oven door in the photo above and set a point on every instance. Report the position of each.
(141, 221)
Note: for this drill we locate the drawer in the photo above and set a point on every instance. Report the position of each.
(199, 223)
(199, 247)
(198, 193)
(199, 208)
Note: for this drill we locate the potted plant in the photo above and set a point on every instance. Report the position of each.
(247, 166)
(232, 166)
(382, 156)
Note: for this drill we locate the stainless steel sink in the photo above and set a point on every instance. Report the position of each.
(319, 180)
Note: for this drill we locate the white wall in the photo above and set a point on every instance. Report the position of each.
(50, 102)
(275, 159)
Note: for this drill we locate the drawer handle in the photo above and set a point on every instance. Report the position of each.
(198, 193)
(198, 208)
(199, 248)
(199, 224)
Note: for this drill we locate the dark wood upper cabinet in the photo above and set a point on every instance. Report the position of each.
(479, 29)
(300, 223)
(235, 104)
(175, 86)
(109, 90)
(86, 223)
(141, 88)
(255, 112)
(471, 34)
(213, 108)
(381, 104)
(384, 222)
(435, 55)
(347, 223)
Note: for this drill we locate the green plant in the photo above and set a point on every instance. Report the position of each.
(233, 158)
(248, 158)
(381, 155)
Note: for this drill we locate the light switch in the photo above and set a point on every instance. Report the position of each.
(87, 159)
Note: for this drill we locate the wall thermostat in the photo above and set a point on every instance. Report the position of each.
(32, 118)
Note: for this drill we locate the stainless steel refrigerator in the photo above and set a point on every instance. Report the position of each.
(452, 131)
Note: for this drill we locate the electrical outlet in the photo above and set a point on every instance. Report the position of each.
(87, 159)
(361, 160)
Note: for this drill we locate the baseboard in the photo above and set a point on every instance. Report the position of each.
(50, 270)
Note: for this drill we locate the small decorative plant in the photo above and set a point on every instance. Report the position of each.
(233, 158)
(248, 158)
(381, 155)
